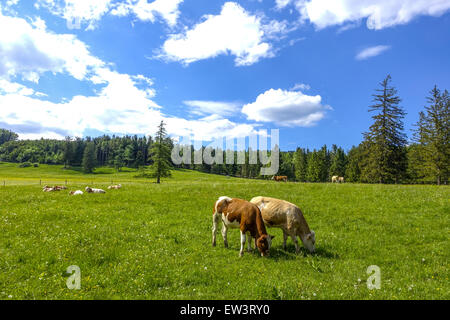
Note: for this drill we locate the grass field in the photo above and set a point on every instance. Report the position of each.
(149, 241)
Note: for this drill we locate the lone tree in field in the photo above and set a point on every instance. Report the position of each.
(384, 145)
(160, 154)
(433, 135)
(89, 158)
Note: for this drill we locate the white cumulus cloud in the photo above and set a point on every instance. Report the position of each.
(286, 108)
(234, 31)
(28, 50)
(379, 13)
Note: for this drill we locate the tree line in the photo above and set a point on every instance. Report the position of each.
(384, 156)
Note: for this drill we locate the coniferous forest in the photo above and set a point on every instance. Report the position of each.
(386, 154)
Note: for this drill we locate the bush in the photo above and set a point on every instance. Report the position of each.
(25, 165)
(35, 165)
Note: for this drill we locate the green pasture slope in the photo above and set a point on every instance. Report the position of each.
(149, 241)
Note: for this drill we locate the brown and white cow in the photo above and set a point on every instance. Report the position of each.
(94, 190)
(280, 178)
(341, 179)
(287, 216)
(238, 213)
(117, 186)
(49, 189)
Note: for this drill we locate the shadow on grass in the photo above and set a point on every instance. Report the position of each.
(289, 254)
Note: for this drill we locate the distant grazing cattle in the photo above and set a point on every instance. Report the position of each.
(94, 190)
(54, 188)
(341, 179)
(74, 193)
(287, 216)
(49, 189)
(238, 213)
(280, 178)
(334, 179)
(117, 186)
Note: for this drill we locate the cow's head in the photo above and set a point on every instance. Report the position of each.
(263, 244)
(309, 241)
(89, 190)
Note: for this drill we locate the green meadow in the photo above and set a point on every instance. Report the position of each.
(149, 241)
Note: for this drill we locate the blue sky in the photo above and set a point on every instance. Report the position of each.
(213, 68)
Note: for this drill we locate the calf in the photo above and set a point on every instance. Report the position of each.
(118, 186)
(94, 190)
(238, 213)
(341, 179)
(287, 216)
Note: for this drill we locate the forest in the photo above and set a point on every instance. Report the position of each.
(385, 155)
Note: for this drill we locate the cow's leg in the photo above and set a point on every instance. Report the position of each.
(224, 235)
(285, 236)
(294, 238)
(241, 253)
(249, 243)
(216, 219)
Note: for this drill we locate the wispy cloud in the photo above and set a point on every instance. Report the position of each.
(202, 108)
(371, 52)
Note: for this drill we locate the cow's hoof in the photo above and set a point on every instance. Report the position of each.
(241, 254)
(213, 244)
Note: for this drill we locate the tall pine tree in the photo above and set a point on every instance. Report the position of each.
(433, 135)
(160, 154)
(385, 144)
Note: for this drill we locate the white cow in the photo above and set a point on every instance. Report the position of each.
(287, 216)
(75, 193)
(94, 190)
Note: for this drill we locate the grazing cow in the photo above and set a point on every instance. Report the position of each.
(75, 193)
(341, 179)
(94, 190)
(334, 179)
(238, 213)
(287, 216)
(280, 178)
(118, 186)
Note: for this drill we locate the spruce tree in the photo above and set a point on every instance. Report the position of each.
(433, 135)
(338, 162)
(314, 167)
(67, 152)
(89, 159)
(385, 144)
(352, 170)
(300, 164)
(160, 154)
